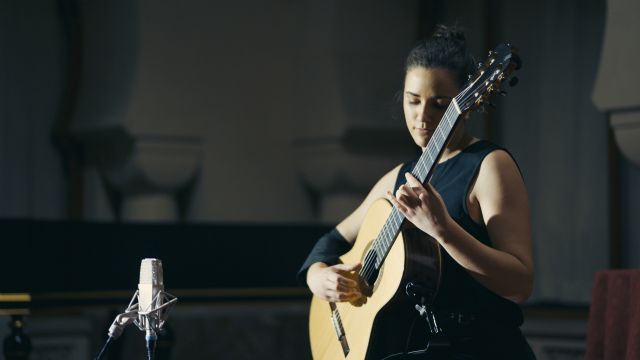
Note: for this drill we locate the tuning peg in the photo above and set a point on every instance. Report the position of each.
(485, 105)
(516, 60)
(514, 81)
(503, 93)
(480, 65)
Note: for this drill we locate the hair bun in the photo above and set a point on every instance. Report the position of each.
(450, 33)
(446, 48)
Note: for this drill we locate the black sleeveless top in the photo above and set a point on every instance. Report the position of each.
(459, 291)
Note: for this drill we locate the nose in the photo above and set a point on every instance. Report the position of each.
(424, 115)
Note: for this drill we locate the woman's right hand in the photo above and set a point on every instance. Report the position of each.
(335, 283)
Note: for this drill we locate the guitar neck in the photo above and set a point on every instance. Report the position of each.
(422, 171)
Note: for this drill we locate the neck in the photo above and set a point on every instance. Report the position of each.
(460, 140)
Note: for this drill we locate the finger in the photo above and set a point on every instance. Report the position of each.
(404, 202)
(396, 202)
(352, 267)
(412, 193)
(404, 190)
(348, 267)
(346, 289)
(348, 296)
(411, 180)
(331, 295)
(340, 288)
(401, 191)
(430, 189)
(336, 296)
(345, 281)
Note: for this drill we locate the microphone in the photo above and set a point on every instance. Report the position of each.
(153, 301)
(150, 311)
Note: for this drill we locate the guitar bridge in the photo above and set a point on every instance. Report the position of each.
(337, 326)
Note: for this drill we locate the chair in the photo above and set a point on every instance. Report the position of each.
(614, 316)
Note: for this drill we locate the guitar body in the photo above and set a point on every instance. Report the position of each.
(380, 326)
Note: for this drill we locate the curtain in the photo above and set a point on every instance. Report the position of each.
(559, 139)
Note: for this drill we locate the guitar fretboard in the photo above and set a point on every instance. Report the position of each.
(422, 171)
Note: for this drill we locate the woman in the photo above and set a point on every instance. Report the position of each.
(475, 206)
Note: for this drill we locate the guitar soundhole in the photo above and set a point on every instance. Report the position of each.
(370, 273)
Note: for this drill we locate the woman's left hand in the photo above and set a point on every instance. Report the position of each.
(423, 206)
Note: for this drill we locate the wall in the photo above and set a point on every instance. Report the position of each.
(560, 141)
(239, 76)
(32, 73)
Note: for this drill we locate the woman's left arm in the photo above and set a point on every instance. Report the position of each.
(507, 267)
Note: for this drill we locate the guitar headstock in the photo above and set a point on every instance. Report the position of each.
(499, 66)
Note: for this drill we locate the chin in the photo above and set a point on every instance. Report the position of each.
(420, 141)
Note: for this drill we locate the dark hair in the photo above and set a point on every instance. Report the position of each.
(447, 49)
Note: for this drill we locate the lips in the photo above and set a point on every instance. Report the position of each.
(424, 130)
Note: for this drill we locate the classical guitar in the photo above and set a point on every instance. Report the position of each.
(393, 254)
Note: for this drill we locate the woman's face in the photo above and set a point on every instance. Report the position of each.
(427, 94)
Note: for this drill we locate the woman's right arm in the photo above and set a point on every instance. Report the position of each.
(339, 282)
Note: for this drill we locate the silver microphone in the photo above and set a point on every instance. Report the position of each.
(149, 313)
(150, 291)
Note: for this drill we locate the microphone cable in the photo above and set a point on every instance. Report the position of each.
(406, 351)
(104, 348)
(151, 340)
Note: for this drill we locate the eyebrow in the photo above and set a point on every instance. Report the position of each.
(433, 97)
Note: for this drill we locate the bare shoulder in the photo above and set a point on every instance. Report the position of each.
(503, 199)
(504, 203)
(499, 169)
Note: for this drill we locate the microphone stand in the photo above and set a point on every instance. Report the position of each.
(151, 339)
(119, 323)
(151, 321)
(147, 319)
(436, 337)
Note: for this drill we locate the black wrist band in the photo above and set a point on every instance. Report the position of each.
(328, 250)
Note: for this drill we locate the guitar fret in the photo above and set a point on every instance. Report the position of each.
(442, 138)
(430, 154)
(377, 249)
(421, 173)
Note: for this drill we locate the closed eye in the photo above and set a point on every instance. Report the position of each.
(442, 102)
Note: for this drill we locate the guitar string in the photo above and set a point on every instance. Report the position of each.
(384, 240)
(386, 235)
